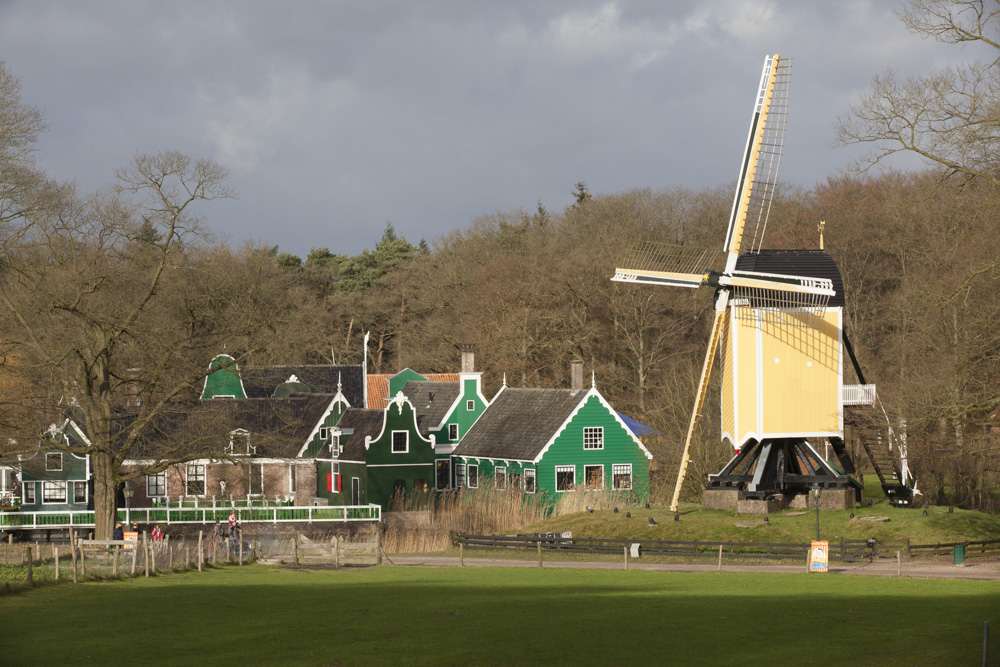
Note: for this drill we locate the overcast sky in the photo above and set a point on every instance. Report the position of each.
(336, 117)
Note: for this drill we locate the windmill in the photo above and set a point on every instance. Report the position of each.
(776, 331)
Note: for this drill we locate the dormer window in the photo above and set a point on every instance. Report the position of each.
(470, 406)
(324, 434)
(335, 446)
(53, 461)
(239, 443)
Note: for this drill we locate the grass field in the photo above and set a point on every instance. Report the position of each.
(396, 615)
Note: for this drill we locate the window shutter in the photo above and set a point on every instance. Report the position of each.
(329, 482)
(339, 481)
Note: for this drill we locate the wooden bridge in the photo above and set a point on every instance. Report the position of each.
(195, 515)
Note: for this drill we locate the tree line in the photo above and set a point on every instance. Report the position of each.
(113, 303)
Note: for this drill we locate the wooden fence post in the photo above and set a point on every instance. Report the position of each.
(83, 561)
(170, 556)
(336, 552)
(135, 555)
(72, 554)
(199, 550)
(719, 569)
(55, 558)
(30, 579)
(296, 548)
(187, 558)
(461, 555)
(625, 549)
(114, 567)
(539, 552)
(145, 550)
(378, 546)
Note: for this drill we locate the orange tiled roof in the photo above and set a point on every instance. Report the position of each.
(378, 386)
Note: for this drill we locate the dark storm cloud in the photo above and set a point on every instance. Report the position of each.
(337, 117)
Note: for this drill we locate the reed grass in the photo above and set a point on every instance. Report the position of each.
(424, 523)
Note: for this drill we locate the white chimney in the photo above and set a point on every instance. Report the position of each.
(468, 357)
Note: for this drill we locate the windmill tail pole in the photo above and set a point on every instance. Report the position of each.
(706, 371)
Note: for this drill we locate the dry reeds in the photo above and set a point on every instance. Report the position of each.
(423, 523)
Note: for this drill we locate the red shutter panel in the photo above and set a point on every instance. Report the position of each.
(339, 482)
(329, 482)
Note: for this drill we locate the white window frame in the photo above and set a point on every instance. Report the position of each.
(54, 485)
(621, 469)
(570, 469)
(593, 438)
(530, 473)
(453, 431)
(500, 473)
(324, 433)
(77, 486)
(459, 475)
(470, 406)
(29, 493)
(259, 467)
(586, 477)
(472, 470)
(151, 489)
(392, 445)
(335, 446)
(53, 455)
(199, 470)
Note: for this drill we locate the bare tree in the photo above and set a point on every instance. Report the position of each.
(948, 117)
(115, 304)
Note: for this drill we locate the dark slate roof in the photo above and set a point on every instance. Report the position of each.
(431, 401)
(519, 423)
(278, 427)
(261, 381)
(806, 263)
(364, 422)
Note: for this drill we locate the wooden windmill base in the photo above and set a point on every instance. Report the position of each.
(771, 475)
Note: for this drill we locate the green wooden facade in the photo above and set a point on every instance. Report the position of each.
(223, 380)
(552, 442)
(55, 480)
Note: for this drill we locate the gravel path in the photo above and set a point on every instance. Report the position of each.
(985, 569)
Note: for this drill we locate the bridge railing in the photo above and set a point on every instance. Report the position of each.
(201, 515)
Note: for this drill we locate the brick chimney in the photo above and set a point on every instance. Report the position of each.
(468, 357)
(576, 374)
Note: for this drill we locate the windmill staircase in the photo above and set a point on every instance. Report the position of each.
(885, 451)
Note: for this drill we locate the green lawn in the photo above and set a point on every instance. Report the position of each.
(396, 615)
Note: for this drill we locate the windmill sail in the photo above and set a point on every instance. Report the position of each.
(759, 171)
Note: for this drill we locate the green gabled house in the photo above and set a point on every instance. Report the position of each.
(54, 480)
(446, 411)
(552, 441)
(380, 455)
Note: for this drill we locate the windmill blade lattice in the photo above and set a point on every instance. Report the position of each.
(765, 177)
(686, 263)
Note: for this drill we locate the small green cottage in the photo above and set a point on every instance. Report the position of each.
(552, 441)
(55, 480)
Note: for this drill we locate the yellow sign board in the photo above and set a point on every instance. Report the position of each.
(819, 556)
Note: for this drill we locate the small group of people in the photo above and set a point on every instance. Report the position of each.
(119, 531)
(230, 530)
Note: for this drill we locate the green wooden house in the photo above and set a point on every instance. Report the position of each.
(446, 411)
(380, 455)
(552, 441)
(56, 480)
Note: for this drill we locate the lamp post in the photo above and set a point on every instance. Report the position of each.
(814, 491)
(127, 492)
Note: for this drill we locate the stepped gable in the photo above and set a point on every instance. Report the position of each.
(365, 423)
(806, 263)
(261, 381)
(519, 423)
(431, 401)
